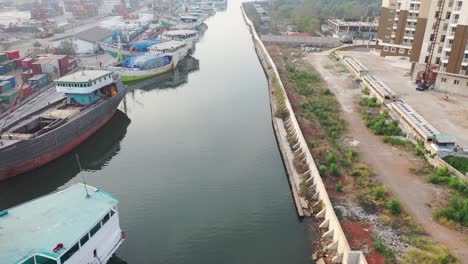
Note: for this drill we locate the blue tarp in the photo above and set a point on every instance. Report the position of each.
(143, 45)
(146, 62)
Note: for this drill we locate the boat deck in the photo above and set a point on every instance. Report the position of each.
(48, 96)
(60, 217)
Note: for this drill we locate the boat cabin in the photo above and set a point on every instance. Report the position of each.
(189, 19)
(86, 87)
(64, 227)
(181, 35)
(168, 47)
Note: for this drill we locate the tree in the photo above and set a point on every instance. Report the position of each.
(36, 44)
(66, 47)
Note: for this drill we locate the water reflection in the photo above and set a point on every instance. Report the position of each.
(95, 153)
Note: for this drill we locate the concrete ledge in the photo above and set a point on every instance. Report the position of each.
(331, 222)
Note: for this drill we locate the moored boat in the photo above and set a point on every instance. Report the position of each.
(145, 66)
(190, 36)
(77, 225)
(92, 97)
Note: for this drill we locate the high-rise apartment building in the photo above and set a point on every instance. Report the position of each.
(397, 27)
(450, 52)
(407, 28)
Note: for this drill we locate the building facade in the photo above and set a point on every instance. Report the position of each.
(364, 29)
(407, 28)
(450, 52)
(397, 27)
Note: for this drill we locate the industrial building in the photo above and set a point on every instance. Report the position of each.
(433, 34)
(341, 27)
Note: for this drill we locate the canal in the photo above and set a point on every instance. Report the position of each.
(193, 160)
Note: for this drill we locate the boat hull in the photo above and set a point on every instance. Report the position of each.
(26, 155)
(132, 76)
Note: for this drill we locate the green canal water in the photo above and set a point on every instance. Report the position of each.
(193, 159)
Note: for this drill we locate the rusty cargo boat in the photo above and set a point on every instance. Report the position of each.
(46, 133)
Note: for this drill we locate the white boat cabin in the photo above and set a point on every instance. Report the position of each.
(64, 227)
(87, 86)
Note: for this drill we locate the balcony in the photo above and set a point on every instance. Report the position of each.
(454, 21)
(462, 72)
(465, 61)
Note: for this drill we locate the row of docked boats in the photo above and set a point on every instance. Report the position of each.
(79, 224)
(155, 57)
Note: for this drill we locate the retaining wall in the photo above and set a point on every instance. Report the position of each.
(329, 221)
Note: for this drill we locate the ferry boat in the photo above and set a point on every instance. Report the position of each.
(91, 99)
(170, 53)
(190, 36)
(77, 225)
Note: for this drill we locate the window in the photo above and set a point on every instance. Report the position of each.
(409, 52)
(385, 48)
(84, 239)
(105, 219)
(466, 83)
(402, 51)
(456, 82)
(69, 253)
(439, 50)
(443, 80)
(29, 261)
(44, 260)
(112, 212)
(95, 229)
(393, 50)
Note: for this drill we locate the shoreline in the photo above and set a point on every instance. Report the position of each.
(332, 234)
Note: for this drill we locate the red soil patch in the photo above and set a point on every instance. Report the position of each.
(330, 183)
(358, 235)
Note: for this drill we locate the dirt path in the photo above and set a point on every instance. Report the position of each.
(391, 165)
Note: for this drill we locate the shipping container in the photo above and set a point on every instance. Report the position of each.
(6, 86)
(36, 68)
(12, 54)
(8, 97)
(3, 57)
(50, 66)
(39, 80)
(10, 79)
(3, 70)
(27, 91)
(26, 63)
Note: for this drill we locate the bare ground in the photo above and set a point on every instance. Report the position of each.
(391, 165)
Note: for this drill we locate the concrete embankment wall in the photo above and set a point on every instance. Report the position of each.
(415, 128)
(329, 221)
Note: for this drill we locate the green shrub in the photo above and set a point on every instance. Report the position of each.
(312, 143)
(356, 173)
(339, 187)
(382, 125)
(459, 163)
(456, 211)
(385, 251)
(366, 91)
(334, 171)
(327, 92)
(379, 192)
(394, 141)
(394, 206)
(369, 102)
(443, 175)
(323, 170)
(331, 158)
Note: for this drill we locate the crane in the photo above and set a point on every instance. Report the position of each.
(427, 77)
